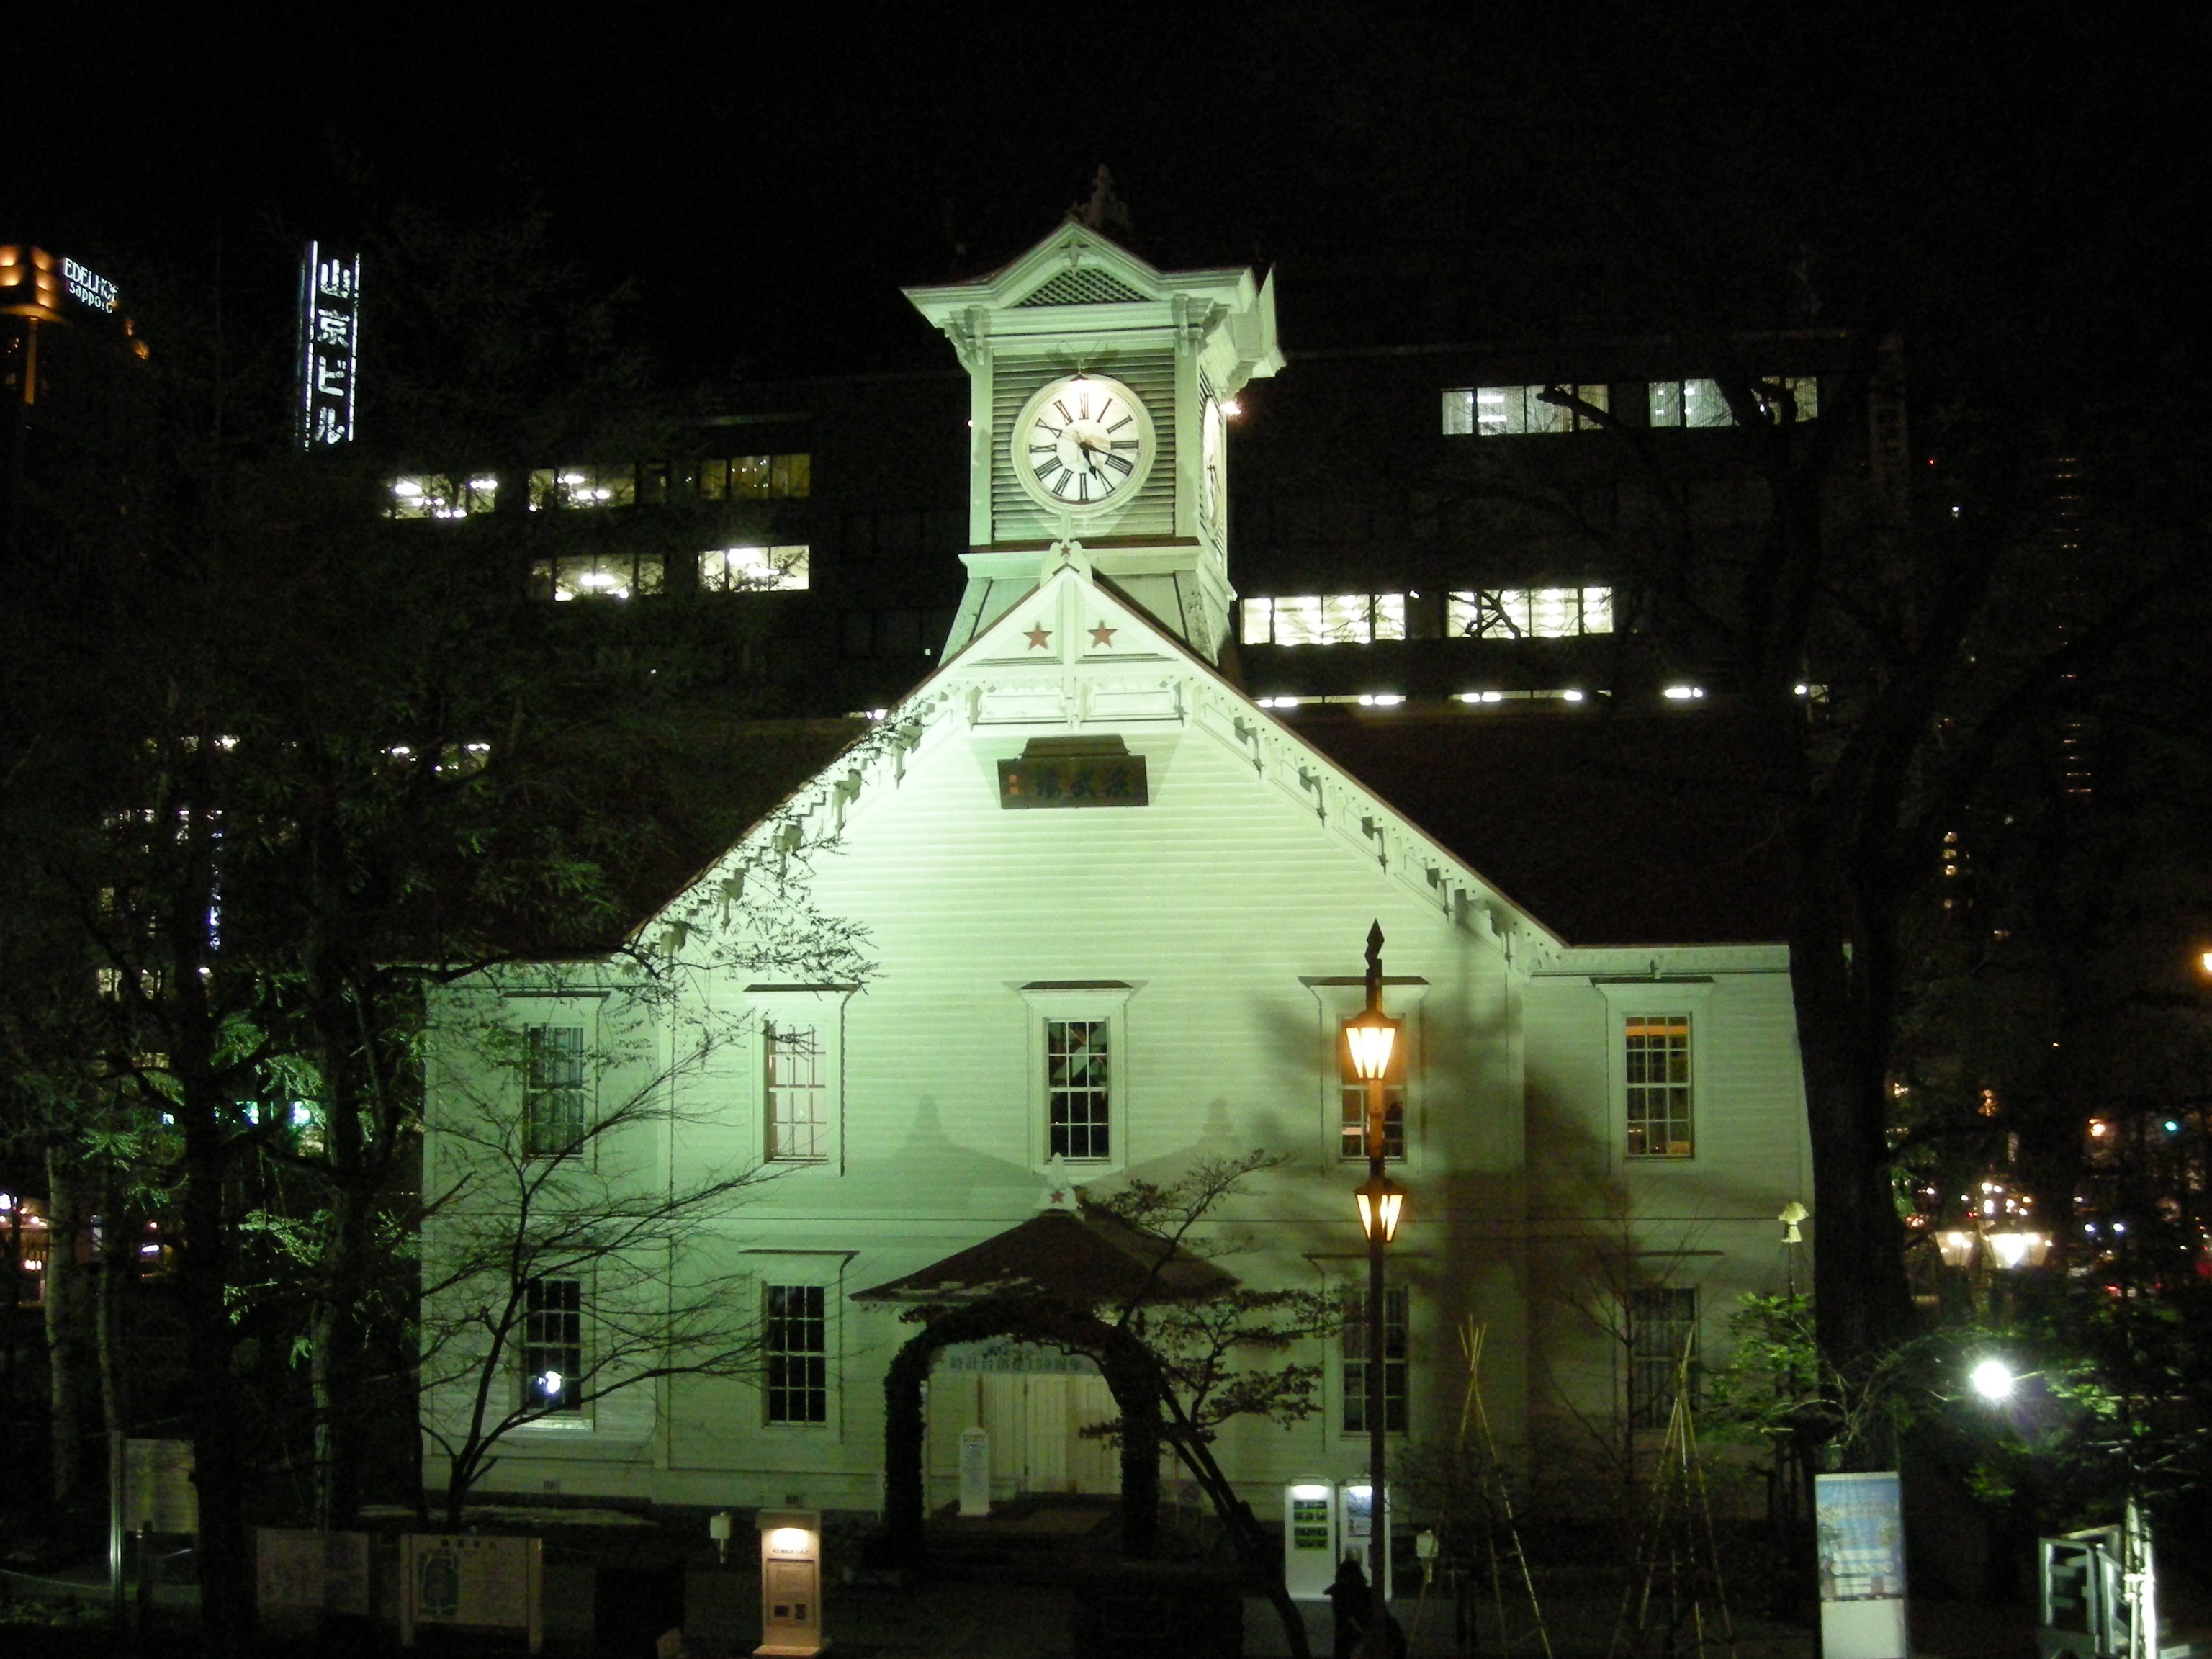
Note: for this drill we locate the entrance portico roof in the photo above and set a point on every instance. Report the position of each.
(1080, 1257)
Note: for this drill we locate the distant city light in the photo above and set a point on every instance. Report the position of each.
(1993, 1380)
(1684, 692)
(1229, 406)
(1572, 696)
(1380, 699)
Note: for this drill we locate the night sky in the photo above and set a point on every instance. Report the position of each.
(767, 179)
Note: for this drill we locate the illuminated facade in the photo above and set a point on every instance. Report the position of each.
(1112, 913)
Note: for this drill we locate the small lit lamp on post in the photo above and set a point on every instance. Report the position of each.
(1371, 1047)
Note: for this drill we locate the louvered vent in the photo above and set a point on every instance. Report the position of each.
(1151, 375)
(1081, 288)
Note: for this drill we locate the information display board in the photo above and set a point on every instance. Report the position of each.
(311, 1571)
(1309, 1539)
(485, 1583)
(158, 1494)
(1860, 1523)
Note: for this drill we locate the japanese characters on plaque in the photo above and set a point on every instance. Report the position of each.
(1073, 772)
(329, 341)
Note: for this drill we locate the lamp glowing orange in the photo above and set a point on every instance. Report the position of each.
(1371, 1038)
(1381, 1203)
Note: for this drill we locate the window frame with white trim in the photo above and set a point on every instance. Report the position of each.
(1676, 1313)
(1051, 1006)
(819, 1274)
(784, 1078)
(1633, 1005)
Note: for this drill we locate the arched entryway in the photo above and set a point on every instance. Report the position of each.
(1059, 1278)
(1122, 1361)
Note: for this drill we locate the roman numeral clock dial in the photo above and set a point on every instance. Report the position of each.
(1082, 444)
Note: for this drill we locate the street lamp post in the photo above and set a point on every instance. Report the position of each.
(1371, 1042)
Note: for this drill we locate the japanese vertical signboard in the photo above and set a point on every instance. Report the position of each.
(1861, 1520)
(329, 344)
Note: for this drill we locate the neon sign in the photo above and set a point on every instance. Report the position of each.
(330, 345)
(86, 287)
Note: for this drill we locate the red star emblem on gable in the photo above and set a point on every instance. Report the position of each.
(1038, 637)
(1103, 634)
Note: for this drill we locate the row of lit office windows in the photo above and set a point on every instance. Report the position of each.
(737, 478)
(1504, 613)
(625, 576)
(1500, 412)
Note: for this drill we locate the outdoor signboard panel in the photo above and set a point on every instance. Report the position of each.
(1861, 1522)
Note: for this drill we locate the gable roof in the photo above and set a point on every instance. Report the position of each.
(1596, 831)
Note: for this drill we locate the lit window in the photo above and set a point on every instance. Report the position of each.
(798, 1354)
(1657, 1050)
(1663, 1347)
(1353, 1137)
(798, 1095)
(1396, 1305)
(1325, 619)
(753, 570)
(1078, 1095)
(595, 575)
(552, 1090)
(757, 477)
(1529, 613)
(1498, 412)
(439, 495)
(583, 486)
(553, 1344)
(1701, 403)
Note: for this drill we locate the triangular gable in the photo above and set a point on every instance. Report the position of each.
(1076, 265)
(1077, 651)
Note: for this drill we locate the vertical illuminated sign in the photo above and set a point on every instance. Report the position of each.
(330, 342)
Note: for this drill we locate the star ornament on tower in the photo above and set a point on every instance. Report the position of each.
(1039, 637)
(1103, 635)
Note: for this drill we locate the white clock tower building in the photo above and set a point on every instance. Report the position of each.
(1095, 391)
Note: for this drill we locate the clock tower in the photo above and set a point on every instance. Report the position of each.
(1095, 386)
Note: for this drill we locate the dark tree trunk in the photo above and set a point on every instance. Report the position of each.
(906, 1506)
(1861, 1303)
(218, 1470)
(1138, 1396)
(69, 1373)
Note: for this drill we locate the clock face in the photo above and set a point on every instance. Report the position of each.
(1083, 443)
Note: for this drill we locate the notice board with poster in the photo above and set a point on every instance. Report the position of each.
(485, 1584)
(1860, 1521)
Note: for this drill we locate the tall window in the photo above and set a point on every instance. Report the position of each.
(1498, 412)
(1325, 619)
(1658, 1073)
(798, 1095)
(552, 1090)
(1396, 1309)
(1354, 1133)
(798, 1355)
(1662, 1346)
(1527, 613)
(553, 1344)
(1078, 1094)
